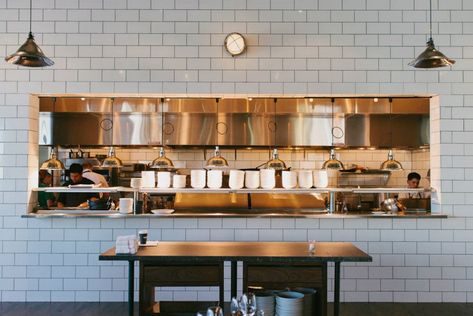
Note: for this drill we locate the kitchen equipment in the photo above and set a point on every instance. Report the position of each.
(99, 204)
(135, 183)
(139, 167)
(416, 205)
(320, 178)
(390, 205)
(236, 179)
(126, 205)
(309, 299)
(305, 179)
(164, 179)
(148, 179)
(214, 179)
(198, 178)
(363, 178)
(267, 178)
(252, 179)
(179, 181)
(289, 179)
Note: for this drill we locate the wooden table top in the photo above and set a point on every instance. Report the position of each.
(244, 251)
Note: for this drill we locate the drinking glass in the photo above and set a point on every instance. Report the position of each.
(312, 246)
(244, 303)
(214, 311)
(234, 306)
(251, 304)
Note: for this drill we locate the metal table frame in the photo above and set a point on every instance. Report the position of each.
(110, 255)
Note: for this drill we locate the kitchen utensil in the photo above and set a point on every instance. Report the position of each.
(320, 178)
(198, 178)
(390, 205)
(126, 205)
(309, 299)
(214, 311)
(179, 181)
(135, 183)
(305, 179)
(214, 179)
(236, 179)
(267, 178)
(148, 179)
(252, 179)
(289, 179)
(164, 179)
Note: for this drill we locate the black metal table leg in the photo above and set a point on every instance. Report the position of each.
(336, 299)
(233, 271)
(131, 286)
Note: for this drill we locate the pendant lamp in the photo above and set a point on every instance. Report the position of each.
(391, 164)
(332, 163)
(431, 57)
(112, 161)
(29, 54)
(275, 163)
(162, 162)
(52, 163)
(217, 161)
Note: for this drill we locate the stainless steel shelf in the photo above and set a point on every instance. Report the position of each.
(228, 190)
(84, 190)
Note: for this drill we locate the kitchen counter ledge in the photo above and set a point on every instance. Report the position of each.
(230, 214)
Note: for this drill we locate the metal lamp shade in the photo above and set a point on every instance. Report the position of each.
(431, 58)
(29, 55)
(162, 162)
(112, 161)
(333, 163)
(217, 161)
(275, 163)
(52, 163)
(391, 164)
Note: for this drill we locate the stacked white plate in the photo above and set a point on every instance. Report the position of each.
(309, 299)
(289, 303)
(265, 302)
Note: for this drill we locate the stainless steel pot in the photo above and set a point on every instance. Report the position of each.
(390, 205)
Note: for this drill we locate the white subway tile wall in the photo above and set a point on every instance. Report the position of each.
(307, 47)
(417, 160)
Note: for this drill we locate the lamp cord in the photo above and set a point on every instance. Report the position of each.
(162, 123)
(333, 119)
(391, 123)
(430, 22)
(31, 13)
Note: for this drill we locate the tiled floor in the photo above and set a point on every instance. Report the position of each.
(120, 309)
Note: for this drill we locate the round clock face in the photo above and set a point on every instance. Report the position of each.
(235, 44)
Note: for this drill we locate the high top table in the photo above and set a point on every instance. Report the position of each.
(247, 252)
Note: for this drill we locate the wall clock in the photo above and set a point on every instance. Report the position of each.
(235, 44)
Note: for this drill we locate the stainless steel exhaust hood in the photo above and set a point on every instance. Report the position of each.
(371, 124)
(239, 122)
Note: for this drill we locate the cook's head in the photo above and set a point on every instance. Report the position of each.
(413, 180)
(75, 172)
(45, 177)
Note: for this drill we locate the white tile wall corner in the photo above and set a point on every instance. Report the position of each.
(297, 46)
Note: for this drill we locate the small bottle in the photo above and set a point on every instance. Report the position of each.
(311, 246)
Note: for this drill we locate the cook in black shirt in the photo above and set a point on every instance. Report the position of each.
(76, 199)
